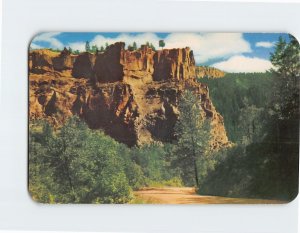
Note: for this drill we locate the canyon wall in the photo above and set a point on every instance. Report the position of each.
(132, 95)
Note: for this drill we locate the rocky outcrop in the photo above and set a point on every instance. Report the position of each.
(43, 60)
(138, 65)
(113, 108)
(64, 61)
(40, 62)
(132, 95)
(108, 66)
(174, 64)
(117, 64)
(209, 72)
(84, 65)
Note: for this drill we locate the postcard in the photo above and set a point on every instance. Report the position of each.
(163, 118)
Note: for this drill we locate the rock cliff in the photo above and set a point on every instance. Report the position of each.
(132, 95)
(209, 72)
(174, 64)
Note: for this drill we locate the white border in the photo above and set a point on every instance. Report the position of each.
(23, 19)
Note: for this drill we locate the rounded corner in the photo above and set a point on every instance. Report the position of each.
(32, 39)
(296, 39)
(293, 198)
(32, 199)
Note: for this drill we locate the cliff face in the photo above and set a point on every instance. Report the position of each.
(132, 95)
(42, 61)
(83, 66)
(64, 61)
(209, 72)
(174, 64)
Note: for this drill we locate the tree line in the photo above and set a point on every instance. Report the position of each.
(95, 49)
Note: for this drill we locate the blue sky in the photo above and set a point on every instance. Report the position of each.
(232, 52)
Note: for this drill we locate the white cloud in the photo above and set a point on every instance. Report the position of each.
(100, 40)
(49, 37)
(265, 44)
(140, 39)
(35, 46)
(210, 45)
(238, 64)
(205, 46)
(80, 46)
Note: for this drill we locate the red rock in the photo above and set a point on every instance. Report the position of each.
(84, 65)
(174, 64)
(41, 62)
(134, 98)
(64, 61)
(209, 72)
(108, 66)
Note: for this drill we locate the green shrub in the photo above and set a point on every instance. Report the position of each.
(155, 162)
(78, 165)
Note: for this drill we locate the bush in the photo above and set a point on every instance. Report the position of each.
(78, 165)
(259, 170)
(155, 162)
(173, 182)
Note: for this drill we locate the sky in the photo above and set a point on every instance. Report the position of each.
(231, 52)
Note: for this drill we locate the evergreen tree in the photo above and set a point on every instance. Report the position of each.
(87, 46)
(267, 166)
(134, 46)
(161, 43)
(76, 52)
(94, 48)
(250, 123)
(41, 186)
(192, 131)
(286, 60)
(229, 93)
(152, 47)
(130, 48)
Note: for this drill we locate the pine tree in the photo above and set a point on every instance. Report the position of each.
(94, 48)
(192, 131)
(130, 48)
(134, 46)
(152, 47)
(87, 46)
(250, 123)
(286, 62)
(162, 43)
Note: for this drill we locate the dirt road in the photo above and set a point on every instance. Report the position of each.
(178, 195)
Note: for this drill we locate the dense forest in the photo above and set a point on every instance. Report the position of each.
(261, 114)
(75, 164)
(238, 94)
